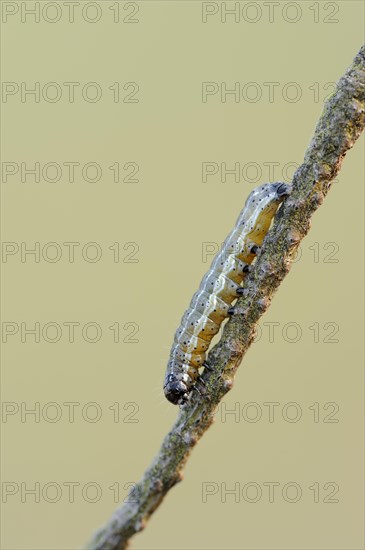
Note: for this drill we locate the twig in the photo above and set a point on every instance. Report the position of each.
(341, 123)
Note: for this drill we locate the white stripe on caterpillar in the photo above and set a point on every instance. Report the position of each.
(220, 286)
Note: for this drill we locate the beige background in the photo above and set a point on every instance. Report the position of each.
(169, 213)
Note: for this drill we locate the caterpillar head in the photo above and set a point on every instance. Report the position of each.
(176, 392)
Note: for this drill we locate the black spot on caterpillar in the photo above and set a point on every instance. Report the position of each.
(221, 285)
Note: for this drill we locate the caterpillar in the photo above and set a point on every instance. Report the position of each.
(220, 286)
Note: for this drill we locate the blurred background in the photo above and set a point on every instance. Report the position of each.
(133, 133)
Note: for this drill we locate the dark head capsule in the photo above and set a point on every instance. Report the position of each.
(176, 392)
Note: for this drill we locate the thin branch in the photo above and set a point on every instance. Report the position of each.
(341, 123)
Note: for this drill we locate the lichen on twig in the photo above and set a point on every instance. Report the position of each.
(341, 123)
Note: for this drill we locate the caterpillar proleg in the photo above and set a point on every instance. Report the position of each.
(221, 285)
